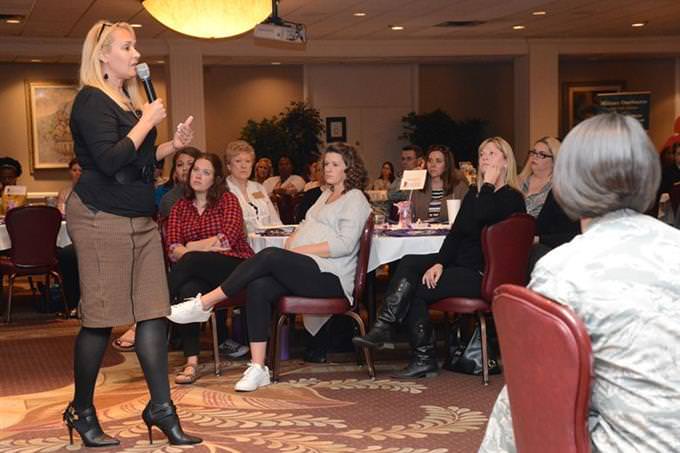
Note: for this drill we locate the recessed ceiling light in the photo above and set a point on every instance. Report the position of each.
(13, 21)
(518, 27)
(159, 62)
(359, 14)
(638, 24)
(276, 63)
(539, 13)
(36, 60)
(136, 25)
(396, 27)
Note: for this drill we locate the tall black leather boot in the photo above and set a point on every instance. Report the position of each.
(424, 359)
(394, 309)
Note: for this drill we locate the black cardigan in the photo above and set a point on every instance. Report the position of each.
(463, 245)
(116, 177)
(553, 226)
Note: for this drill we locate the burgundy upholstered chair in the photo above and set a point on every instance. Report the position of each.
(548, 369)
(295, 305)
(675, 198)
(33, 231)
(506, 247)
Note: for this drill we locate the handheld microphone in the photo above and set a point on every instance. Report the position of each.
(144, 74)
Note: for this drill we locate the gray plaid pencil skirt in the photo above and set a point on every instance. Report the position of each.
(120, 260)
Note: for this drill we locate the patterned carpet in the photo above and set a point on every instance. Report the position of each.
(331, 408)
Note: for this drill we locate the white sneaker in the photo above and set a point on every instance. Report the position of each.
(191, 310)
(254, 377)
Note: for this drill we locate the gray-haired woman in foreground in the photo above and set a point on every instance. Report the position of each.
(621, 278)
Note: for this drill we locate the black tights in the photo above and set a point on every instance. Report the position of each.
(152, 352)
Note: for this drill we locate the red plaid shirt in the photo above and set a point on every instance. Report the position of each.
(224, 220)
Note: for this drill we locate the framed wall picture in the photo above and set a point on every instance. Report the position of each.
(49, 110)
(579, 100)
(336, 129)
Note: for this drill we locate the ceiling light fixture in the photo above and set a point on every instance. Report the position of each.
(539, 13)
(396, 27)
(209, 18)
(359, 14)
(13, 21)
(36, 60)
(518, 27)
(638, 24)
(276, 63)
(136, 25)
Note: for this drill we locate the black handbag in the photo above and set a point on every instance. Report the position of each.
(466, 356)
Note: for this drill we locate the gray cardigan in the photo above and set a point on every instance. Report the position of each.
(421, 201)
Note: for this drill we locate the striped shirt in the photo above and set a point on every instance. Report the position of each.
(435, 207)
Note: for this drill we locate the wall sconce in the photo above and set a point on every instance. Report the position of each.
(209, 18)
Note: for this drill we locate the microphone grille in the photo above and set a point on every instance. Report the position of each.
(143, 71)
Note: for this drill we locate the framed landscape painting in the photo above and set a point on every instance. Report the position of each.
(579, 100)
(49, 110)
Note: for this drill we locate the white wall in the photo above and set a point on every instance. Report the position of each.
(373, 98)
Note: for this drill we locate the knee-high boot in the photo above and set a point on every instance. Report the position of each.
(422, 340)
(393, 311)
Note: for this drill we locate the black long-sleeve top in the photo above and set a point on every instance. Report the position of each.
(463, 245)
(116, 177)
(553, 226)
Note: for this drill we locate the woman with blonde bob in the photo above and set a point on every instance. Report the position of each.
(621, 278)
(258, 209)
(120, 256)
(456, 270)
(535, 180)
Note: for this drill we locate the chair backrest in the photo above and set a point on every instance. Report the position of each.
(547, 362)
(287, 206)
(33, 231)
(362, 261)
(506, 246)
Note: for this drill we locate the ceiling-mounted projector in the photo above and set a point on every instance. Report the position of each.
(277, 29)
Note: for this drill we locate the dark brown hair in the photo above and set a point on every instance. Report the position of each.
(389, 164)
(218, 187)
(189, 151)
(451, 175)
(356, 176)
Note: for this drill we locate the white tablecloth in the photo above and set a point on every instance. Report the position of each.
(63, 238)
(384, 249)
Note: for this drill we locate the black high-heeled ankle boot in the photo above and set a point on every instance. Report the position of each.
(164, 416)
(87, 425)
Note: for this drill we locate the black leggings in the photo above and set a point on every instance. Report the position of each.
(199, 272)
(454, 282)
(152, 352)
(271, 274)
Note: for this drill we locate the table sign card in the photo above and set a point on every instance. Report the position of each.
(413, 180)
(452, 206)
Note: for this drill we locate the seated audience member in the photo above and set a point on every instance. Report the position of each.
(10, 170)
(310, 196)
(671, 172)
(385, 179)
(258, 210)
(411, 159)
(535, 179)
(456, 270)
(68, 262)
(319, 260)
(621, 278)
(263, 170)
(74, 170)
(313, 176)
(443, 182)
(286, 183)
(206, 241)
(181, 162)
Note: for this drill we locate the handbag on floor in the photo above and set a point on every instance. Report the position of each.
(466, 356)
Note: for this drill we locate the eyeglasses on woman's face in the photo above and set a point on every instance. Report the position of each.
(539, 154)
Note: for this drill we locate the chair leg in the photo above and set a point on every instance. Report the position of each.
(59, 280)
(276, 346)
(30, 282)
(9, 297)
(485, 349)
(216, 350)
(367, 352)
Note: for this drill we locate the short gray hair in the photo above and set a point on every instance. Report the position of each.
(606, 163)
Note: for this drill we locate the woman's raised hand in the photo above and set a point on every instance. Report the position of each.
(184, 134)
